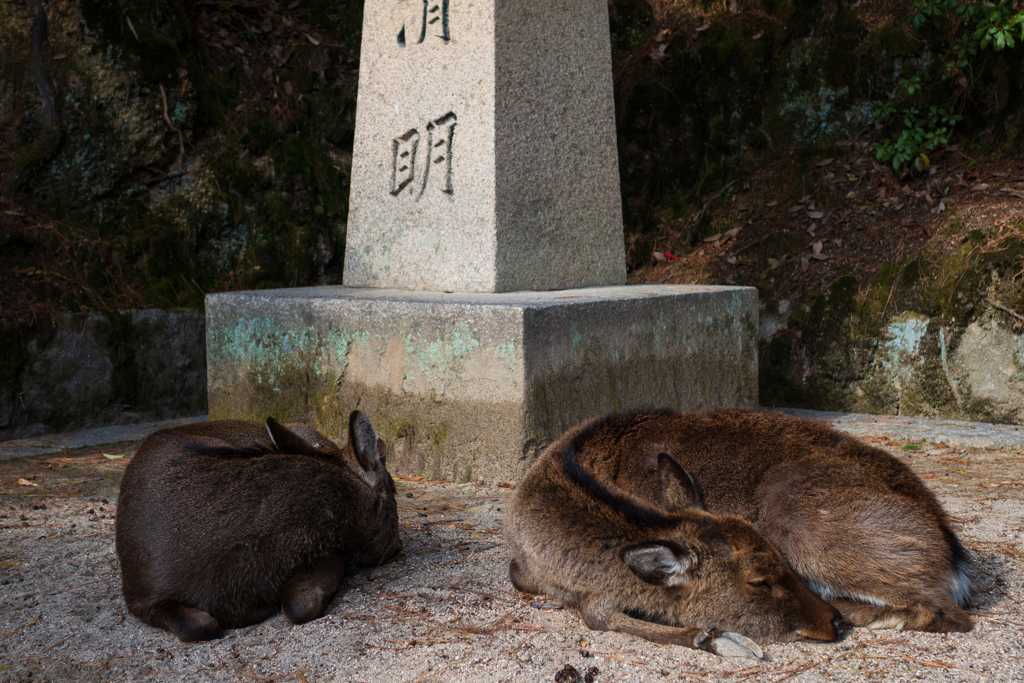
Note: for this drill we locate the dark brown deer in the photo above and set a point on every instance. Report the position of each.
(670, 574)
(854, 522)
(221, 524)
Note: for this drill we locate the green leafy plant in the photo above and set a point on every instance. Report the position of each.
(969, 28)
(921, 130)
(998, 24)
(968, 33)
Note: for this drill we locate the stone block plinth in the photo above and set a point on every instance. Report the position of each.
(470, 386)
(484, 157)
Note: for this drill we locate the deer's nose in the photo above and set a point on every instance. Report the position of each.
(823, 630)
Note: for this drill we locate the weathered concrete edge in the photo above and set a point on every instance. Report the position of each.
(432, 364)
(948, 432)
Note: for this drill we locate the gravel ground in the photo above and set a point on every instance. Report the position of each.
(445, 611)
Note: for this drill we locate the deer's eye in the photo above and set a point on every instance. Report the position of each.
(758, 583)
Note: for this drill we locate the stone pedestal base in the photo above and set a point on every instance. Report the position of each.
(473, 386)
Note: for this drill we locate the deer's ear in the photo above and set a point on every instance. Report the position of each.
(659, 564)
(363, 440)
(299, 438)
(678, 489)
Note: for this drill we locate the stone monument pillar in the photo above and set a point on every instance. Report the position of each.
(485, 156)
(484, 310)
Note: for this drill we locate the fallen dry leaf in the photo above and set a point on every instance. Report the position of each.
(659, 54)
(26, 482)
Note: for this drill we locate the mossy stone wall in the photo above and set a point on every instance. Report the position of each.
(930, 336)
(77, 371)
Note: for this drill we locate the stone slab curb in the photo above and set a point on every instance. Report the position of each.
(949, 432)
(99, 436)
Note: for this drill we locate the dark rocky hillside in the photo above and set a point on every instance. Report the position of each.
(857, 162)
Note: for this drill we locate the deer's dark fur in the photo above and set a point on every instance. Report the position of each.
(674, 575)
(221, 524)
(854, 522)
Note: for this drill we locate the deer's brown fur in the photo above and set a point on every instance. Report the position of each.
(854, 522)
(671, 574)
(221, 524)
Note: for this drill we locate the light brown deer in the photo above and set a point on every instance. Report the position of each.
(669, 573)
(854, 522)
(221, 524)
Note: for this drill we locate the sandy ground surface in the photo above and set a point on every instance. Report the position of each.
(445, 611)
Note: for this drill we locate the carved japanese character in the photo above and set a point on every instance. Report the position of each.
(418, 20)
(440, 136)
(403, 160)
